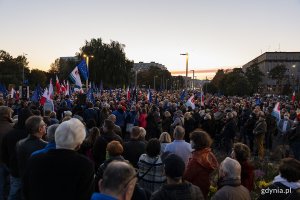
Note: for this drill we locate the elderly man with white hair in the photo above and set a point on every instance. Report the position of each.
(229, 184)
(61, 173)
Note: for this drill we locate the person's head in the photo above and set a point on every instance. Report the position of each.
(90, 105)
(112, 118)
(70, 134)
(47, 113)
(36, 126)
(143, 133)
(67, 113)
(241, 152)
(114, 148)
(261, 115)
(187, 115)
(153, 148)
(51, 132)
(94, 133)
(286, 115)
(66, 118)
(135, 132)
(108, 126)
(200, 140)
(5, 113)
(165, 137)
(118, 180)
(167, 114)
(53, 115)
(174, 167)
(229, 115)
(230, 169)
(178, 133)
(289, 169)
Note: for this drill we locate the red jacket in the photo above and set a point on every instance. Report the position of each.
(247, 175)
(201, 164)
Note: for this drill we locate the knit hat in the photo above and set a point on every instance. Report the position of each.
(174, 166)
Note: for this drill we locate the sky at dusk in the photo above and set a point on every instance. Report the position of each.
(215, 33)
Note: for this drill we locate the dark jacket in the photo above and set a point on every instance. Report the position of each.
(99, 149)
(5, 127)
(229, 129)
(133, 149)
(25, 148)
(90, 114)
(260, 127)
(59, 174)
(183, 191)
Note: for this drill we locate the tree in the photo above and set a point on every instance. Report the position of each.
(210, 88)
(218, 77)
(235, 83)
(254, 76)
(11, 69)
(109, 63)
(146, 78)
(278, 74)
(37, 77)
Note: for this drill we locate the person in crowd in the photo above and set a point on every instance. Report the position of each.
(50, 136)
(121, 117)
(90, 113)
(53, 119)
(8, 152)
(288, 181)
(58, 173)
(284, 128)
(259, 133)
(119, 180)
(179, 146)
(229, 185)
(135, 147)
(114, 150)
(202, 162)
(151, 173)
(166, 122)
(153, 123)
(143, 118)
(229, 132)
(131, 119)
(271, 130)
(143, 134)
(6, 125)
(176, 187)
(36, 129)
(104, 113)
(164, 139)
(189, 125)
(241, 153)
(178, 120)
(207, 125)
(46, 117)
(117, 129)
(108, 135)
(249, 126)
(244, 117)
(294, 139)
(86, 148)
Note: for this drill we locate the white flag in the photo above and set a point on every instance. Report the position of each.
(75, 77)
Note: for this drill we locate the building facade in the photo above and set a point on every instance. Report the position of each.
(268, 60)
(145, 66)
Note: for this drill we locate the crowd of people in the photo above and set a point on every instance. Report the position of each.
(136, 148)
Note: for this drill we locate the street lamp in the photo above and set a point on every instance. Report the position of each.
(87, 59)
(154, 82)
(23, 76)
(186, 66)
(193, 81)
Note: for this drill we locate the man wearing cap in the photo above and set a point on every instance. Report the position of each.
(176, 188)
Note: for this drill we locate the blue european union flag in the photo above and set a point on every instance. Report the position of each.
(83, 69)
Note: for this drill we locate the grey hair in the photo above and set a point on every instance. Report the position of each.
(70, 134)
(231, 168)
(51, 132)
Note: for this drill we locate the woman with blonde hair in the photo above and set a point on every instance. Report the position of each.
(164, 139)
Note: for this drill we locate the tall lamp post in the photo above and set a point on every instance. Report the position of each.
(87, 59)
(186, 67)
(23, 75)
(193, 81)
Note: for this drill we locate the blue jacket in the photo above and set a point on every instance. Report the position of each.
(120, 117)
(99, 196)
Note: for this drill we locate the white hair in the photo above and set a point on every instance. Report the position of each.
(231, 168)
(70, 134)
(143, 132)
